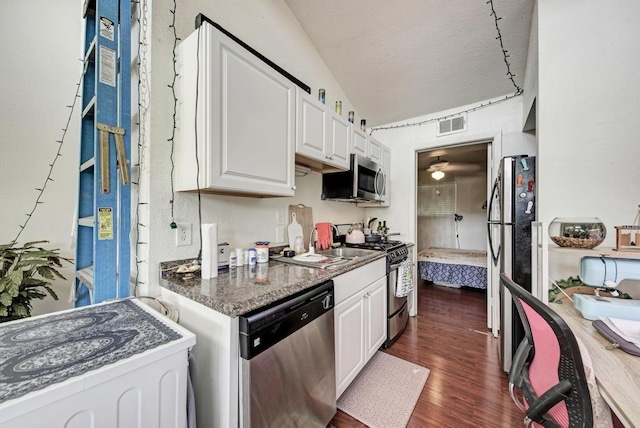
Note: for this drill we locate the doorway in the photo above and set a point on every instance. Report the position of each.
(452, 186)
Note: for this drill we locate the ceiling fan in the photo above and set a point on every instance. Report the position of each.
(438, 167)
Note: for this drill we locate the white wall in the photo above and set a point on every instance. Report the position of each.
(269, 27)
(589, 110)
(40, 68)
(530, 86)
(440, 231)
(502, 119)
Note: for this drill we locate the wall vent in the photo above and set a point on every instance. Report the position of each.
(452, 125)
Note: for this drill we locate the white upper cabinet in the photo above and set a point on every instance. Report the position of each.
(245, 119)
(359, 142)
(322, 137)
(365, 145)
(374, 150)
(339, 140)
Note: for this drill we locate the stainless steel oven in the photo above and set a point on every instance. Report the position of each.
(397, 308)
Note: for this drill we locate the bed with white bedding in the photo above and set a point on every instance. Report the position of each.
(453, 267)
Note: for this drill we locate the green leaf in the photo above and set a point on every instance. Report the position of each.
(6, 299)
(3, 311)
(15, 277)
(21, 310)
(45, 272)
(11, 288)
(51, 292)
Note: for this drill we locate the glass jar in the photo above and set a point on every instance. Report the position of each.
(577, 232)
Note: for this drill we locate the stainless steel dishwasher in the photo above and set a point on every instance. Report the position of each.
(288, 362)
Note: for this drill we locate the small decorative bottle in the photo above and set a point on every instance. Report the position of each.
(351, 114)
(321, 95)
(339, 107)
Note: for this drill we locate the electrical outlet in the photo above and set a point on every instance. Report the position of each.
(183, 234)
(279, 234)
(280, 218)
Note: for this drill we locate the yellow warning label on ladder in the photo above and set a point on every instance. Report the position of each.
(105, 223)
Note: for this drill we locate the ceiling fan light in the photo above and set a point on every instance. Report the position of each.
(437, 175)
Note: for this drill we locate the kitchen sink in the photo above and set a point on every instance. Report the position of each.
(328, 258)
(346, 252)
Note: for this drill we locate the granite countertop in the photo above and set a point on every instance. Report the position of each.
(238, 291)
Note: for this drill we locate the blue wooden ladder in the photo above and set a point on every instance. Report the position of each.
(104, 193)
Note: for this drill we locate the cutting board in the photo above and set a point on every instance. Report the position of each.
(304, 218)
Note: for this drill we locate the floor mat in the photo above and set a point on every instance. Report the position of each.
(385, 392)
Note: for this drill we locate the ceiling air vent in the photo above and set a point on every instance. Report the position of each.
(452, 125)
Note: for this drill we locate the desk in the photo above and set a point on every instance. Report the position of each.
(617, 373)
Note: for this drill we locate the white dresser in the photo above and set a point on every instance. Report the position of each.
(117, 364)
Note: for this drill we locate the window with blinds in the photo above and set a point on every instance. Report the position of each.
(437, 200)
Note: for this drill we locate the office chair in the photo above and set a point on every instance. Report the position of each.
(548, 368)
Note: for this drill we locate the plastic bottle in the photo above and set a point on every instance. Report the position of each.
(252, 256)
(239, 257)
(262, 252)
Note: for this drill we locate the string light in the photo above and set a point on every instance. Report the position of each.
(52, 165)
(173, 224)
(505, 55)
(142, 9)
(437, 119)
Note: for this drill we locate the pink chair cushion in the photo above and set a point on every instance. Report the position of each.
(543, 371)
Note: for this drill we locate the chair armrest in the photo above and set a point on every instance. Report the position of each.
(546, 401)
(521, 356)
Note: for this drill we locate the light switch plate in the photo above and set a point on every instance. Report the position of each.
(279, 234)
(280, 218)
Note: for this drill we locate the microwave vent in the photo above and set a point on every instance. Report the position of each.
(452, 125)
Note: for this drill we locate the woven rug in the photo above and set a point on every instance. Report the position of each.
(385, 392)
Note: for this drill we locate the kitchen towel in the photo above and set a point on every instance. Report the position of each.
(324, 234)
(209, 250)
(404, 283)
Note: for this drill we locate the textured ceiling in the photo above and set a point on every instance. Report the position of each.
(404, 58)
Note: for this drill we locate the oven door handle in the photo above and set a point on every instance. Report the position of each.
(396, 266)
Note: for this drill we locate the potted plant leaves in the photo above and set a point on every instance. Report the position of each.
(26, 273)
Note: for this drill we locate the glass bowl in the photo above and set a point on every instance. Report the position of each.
(577, 232)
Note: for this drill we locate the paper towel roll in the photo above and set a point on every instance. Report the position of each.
(209, 250)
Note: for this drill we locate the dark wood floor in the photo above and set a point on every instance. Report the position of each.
(466, 387)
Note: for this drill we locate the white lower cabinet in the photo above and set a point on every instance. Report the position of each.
(375, 310)
(360, 318)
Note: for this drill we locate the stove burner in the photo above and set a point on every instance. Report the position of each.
(378, 246)
(396, 250)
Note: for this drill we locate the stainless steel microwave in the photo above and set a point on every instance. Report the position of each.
(364, 182)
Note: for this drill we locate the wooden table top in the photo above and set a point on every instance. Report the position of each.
(617, 373)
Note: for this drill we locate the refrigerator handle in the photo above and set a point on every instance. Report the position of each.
(495, 255)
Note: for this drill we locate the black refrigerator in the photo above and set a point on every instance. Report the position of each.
(514, 193)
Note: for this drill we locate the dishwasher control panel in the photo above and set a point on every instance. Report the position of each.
(265, 327)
